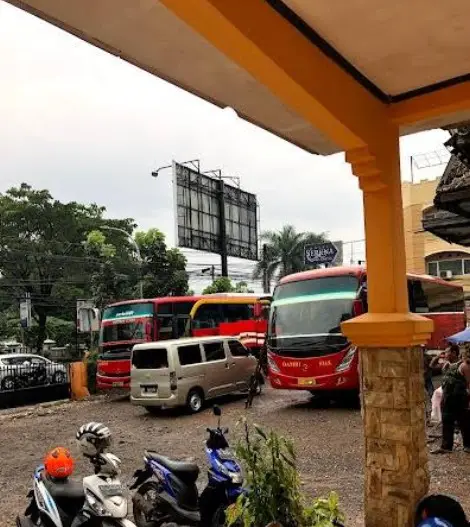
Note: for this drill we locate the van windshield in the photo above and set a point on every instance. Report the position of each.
(150, 358)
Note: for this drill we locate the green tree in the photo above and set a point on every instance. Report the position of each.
(163, 270)
(108, 285)
(284, 252)
(242, 287)
(42, 251)
(223, 284)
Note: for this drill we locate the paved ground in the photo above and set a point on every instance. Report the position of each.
(328, 442)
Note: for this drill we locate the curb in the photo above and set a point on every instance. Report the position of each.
(42, 408)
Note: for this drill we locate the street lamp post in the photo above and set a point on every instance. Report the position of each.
(137, 252)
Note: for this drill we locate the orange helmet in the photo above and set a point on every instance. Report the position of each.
(59, 463)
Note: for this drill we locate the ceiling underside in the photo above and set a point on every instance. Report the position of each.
(399, 46)
(368, 38)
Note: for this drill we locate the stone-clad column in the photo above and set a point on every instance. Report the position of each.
(396, 454)
(388, 337)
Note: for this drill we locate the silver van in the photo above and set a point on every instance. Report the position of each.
(189, 371)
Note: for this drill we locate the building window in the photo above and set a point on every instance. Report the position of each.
(457, 267)
(433, 269)
(466, 266)
(454, 266)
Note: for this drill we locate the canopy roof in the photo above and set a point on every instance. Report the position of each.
(396, 53)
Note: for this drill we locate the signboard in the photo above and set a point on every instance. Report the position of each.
(87, 317)
(25, 312)
(328, 253)
(213, 216)
(126, 311)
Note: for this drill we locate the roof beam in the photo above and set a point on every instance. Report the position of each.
(445, 101)
(255, 36)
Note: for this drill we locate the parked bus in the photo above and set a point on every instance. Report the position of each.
(245, 317)
(135, 321)
(306, 349)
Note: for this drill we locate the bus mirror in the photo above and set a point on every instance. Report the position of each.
(267, 298)
(358, 308)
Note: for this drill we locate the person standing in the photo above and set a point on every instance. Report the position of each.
(455, 404)
(451, 356)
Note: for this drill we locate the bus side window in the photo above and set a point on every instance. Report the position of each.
(418, 298)
(235, 312)
(443, 298)
(208, 316)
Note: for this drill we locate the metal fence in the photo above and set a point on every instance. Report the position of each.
(31, 383)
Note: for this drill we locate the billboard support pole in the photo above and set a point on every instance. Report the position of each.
(265, 269)
(222, 230)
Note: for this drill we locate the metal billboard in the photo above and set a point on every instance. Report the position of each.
(213, 216)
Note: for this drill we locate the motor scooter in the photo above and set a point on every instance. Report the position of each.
(167, 491)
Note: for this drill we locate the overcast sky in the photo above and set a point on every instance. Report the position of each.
(90, 127)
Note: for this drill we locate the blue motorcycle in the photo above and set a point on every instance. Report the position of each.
(167, 492)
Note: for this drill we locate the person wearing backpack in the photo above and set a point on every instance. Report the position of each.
(455, 404)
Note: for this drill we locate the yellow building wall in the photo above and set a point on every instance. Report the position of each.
(418, 243)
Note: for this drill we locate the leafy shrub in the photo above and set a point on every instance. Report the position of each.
(274, 494)
(91, 361)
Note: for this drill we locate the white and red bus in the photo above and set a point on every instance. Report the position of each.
(306, 349)
(134, 321)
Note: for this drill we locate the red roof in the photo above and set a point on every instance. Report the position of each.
(353, 271)
(323, 273)
(159, 300)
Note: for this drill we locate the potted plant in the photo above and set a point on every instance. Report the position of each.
(274, 497)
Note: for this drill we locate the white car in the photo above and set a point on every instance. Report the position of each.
(25, 369)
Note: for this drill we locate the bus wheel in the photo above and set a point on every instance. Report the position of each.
(195, 400)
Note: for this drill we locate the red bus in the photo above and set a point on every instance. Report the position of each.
(306, 349)
(131, 322)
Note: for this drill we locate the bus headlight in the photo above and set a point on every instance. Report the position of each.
(347, 360)
(272, 365)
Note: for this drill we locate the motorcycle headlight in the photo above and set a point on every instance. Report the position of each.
(95, 504)
(237, 477)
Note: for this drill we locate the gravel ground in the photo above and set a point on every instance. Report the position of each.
(328, 442)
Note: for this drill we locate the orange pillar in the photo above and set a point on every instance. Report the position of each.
(388, 336)
(79, 381)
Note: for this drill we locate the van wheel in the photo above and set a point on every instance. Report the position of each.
(195, 401)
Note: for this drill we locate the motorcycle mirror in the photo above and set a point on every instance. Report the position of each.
(217, 411)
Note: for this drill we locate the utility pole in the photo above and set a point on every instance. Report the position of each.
(212, 271)
(222, 230)
(265, 269)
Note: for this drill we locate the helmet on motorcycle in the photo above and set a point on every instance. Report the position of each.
(93, 439)
(59, 463)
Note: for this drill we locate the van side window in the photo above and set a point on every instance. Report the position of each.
(190, 354)
(237, 349)
(214, 351)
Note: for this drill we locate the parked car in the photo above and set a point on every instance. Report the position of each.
(189, 371)
(25, 369)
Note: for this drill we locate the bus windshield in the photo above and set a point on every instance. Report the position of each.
(306, 315)
(127, 331)
(126, 322)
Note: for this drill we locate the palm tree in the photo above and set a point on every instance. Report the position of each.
(284, 253)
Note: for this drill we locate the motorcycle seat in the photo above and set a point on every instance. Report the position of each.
(185, 469)
(65, 489)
